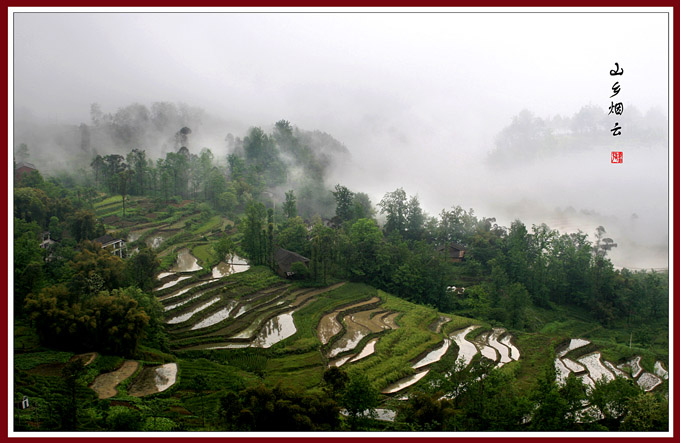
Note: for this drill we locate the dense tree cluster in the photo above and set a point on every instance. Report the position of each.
(483, 398)
(506, 271)
(80, 297)
(258, 162)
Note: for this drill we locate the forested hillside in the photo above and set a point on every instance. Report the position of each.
(269, 299)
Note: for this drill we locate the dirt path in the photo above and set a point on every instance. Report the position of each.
(105, 384)
(85, 358)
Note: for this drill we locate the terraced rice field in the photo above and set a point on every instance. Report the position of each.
(363, 321)
(592, 368)
(494, 345)
(230, 314)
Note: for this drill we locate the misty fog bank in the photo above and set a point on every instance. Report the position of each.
(429, 102)
(572, 191)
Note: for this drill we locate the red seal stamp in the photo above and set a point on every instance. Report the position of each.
(617, 157)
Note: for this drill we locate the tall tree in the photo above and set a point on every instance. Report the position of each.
(415, 219)
(290, 205)
(395, 205)
(137, 162)
(124, 180)
(343, 201)
(254, 242)
(365, 238)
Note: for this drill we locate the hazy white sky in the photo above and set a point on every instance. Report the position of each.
(348, 66)
(416, 97)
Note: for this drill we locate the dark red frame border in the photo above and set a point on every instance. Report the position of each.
(4, 370)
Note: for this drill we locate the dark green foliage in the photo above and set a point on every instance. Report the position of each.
(261, 153)
(426, 412)
(124, 419)
(611, 398)
(290, 206)
(95, 269)
(646, 413)
(142, 268)
(264, 409)
(293, 236)
(83, 226)
(300, 271)
(324, 242)
(365, 238)
(111, 323)
(335, 380)
(395, 205)
(343, 202)
(524, 279)
(360, 399)
(254, 237)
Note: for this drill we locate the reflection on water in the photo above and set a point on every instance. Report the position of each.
(437, 327)
(503, 350)
(561, 371)
(590, 384)
(595, 367)
(379, 414)
(173, 282)
(187, 315)
(514, 352)
(354, 334)
(616, 371)
(231, 346)
(216, 317)
(340, 361)
(573, 344)
(234, 266)
(489, 352)
(648, 381)
(153, 379)
(185, 301)
(349, 341)
(385, 414)
(660, 371)
(405, 383)
(165, 376)
(162, 275)
(466, 350)
(278, 328)
(328, 327)
(434, 355)
(573, 366)
(634, 365)
(186, 262)
(185, 290)
(368, 350)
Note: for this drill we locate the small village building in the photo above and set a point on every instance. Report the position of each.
(22, 169)
(284, 260)
(116, 246)
(453, 252)
(47, 242)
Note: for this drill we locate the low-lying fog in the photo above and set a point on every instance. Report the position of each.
(421, 101)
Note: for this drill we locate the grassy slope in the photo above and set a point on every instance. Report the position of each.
(299, 361)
